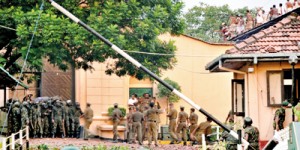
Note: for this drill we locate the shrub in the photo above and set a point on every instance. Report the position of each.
(111, 109)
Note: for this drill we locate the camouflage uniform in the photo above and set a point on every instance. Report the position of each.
(16, 117)
(24, 115)
(253, 136)
(70, 119)
(35, 117)
(78, 112)
(280, 114)
(231, 142)
(50, 123)
(8, 109)
(45, 114)
(57, 117)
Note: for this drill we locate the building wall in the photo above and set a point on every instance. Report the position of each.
(256, 100)
(211, 91)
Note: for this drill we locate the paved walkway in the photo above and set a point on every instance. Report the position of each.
(60, 143)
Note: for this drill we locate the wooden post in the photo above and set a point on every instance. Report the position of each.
(13, 141)
(203, 142)
(3, 143)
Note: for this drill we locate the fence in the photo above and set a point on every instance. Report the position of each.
(12, 141)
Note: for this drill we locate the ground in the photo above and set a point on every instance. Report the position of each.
(60, 143)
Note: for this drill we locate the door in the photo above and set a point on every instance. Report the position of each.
(238, 97)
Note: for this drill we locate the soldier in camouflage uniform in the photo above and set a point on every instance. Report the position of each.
(16, 117)
(231, 142)
(251, 134)
(45, 113)
(280, 117)
(24, 115)
(70, 112)
(50, 104)
(58, 118)
(35, 119)
(77, 115)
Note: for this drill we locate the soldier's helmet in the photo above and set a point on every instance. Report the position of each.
(247, 121)
(16, 104)
(44, 105)
(25, 103)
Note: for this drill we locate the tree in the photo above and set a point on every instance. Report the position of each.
(204, 21)
(130, 24)
(164, 92)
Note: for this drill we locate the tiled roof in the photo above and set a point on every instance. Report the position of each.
(282, 37)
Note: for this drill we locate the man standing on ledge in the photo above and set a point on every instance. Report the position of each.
(88, 119)
(116, 117)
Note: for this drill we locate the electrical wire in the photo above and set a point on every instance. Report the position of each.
(163, 54)
(25, 60)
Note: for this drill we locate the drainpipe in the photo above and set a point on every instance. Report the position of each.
(247, 110)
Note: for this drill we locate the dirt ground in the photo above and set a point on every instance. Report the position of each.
(60, 143)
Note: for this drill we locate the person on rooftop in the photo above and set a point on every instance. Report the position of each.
(289, 6)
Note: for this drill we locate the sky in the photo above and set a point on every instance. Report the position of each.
(235, 4)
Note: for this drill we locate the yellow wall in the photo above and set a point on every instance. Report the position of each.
(209, 90)
(212, 91)
(256, 99)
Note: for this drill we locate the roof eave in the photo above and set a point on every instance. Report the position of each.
(267, 57)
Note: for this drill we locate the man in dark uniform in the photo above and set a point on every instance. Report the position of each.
(77, 115)
(172, 115)
(280, 116)
(182, 125)
(116, 117)
(58, 116)
(251, 134)
(193, 121)
(137, 118)
(24, 115)
(16, 115)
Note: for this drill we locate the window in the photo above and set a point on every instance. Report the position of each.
(140, 91)
(238, 97)
(279, 86)
(274, 87)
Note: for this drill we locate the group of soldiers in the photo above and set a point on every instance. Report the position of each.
(143, 122)
(50, 117)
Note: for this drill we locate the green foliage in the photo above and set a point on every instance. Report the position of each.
(43, 147)
(204, 21)
(132, 25)
(111, 109)
(164, 92)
